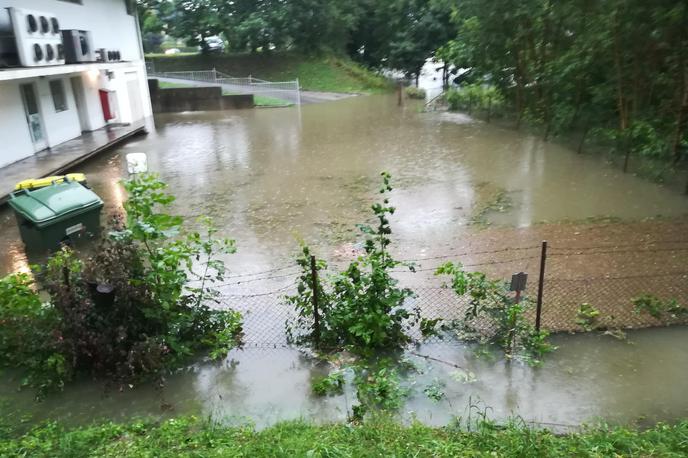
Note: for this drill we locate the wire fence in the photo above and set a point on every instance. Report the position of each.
(272, 92)
(628, 287)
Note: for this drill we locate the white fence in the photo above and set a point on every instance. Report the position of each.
(266, 92)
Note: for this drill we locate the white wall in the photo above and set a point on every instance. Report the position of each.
(108, 21)
(16, 138)
(58, 126)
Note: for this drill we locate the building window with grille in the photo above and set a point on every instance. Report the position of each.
(58, 93)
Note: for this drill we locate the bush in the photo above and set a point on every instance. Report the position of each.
(413, 92)
(362, 308)
(153, 319)
(474, 98)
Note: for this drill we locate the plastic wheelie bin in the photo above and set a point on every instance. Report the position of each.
(55, 214)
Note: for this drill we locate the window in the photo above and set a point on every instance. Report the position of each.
(58, 93)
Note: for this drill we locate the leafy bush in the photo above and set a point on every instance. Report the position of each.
(657, 308)
(29, 335)
(413, 92)
(586, 317)
(362, 308)
(475, 97)
(491, 302)
(331, 384)
(149, 317)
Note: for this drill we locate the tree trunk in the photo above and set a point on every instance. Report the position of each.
(621, 99)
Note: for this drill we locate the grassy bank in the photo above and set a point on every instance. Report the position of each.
(191, 437)
(315, 73)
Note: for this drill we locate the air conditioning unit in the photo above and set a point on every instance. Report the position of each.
(108, 55)
(38, 37)
(78, 46)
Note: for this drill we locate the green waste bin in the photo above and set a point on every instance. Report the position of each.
(55, 214)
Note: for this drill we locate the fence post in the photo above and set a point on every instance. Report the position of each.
(316, 312)
(298, 92)
(541, 285)
(214, 75)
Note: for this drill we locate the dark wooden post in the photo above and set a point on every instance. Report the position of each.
(400, 94)
(541, 285)
(489, 108)
(316, 312)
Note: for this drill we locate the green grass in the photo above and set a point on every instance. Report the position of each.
(315, 73)
(187, 436)
(166, 85)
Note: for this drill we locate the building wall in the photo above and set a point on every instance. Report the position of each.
(58, 126)
(108, 21)
(112, 28)
(16, 142)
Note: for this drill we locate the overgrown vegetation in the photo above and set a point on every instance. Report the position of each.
(478, 98)
(659, 308)
(189, 436)
(142, 304)
(413, 92)
(494, 317)
(587, 317)
(613, 72)
(361, 309)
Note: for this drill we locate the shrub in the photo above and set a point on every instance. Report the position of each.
(153, 319)
(362, 308)
(413, 92)
(490, 302)
(475, 97)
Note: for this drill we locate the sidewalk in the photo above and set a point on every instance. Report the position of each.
(57, 160)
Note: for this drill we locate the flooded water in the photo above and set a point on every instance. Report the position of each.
(270, 177)
(588, 379)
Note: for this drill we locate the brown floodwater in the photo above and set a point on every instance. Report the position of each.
(269, 177)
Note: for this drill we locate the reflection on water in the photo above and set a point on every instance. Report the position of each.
(590, 377)
(268, 176)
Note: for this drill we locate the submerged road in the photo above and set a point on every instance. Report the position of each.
(307, 97)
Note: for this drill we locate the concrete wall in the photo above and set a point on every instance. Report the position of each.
(108, 20)
(16, 142)
(175, 100)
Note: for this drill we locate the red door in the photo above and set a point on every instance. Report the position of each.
(105, 103)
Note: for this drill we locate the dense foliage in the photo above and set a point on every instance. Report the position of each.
(143, 303)
(398, 34)
(615, 70)
(188, 436)
(362, 308)
(490, 302)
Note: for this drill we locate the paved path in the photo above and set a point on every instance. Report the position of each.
(64, 157)
(307, 97)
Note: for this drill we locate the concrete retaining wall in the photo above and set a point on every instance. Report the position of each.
(176, 100)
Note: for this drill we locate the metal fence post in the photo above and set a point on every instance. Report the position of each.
(316, 312)
(298, 92)
(541, 285)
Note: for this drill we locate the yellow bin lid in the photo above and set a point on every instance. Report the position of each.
(36, 183)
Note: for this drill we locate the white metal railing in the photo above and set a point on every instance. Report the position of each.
(279, 93)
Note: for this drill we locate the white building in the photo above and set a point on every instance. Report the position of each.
(45, 101)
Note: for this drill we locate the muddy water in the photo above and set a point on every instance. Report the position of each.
(588, 379)
(269, 177)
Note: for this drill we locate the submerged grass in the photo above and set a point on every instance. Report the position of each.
(189, 436)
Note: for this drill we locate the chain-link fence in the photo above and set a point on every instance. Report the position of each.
(271, 92)
(584, 289)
